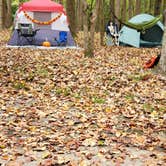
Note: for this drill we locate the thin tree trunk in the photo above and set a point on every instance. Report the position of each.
(162, 62)
(164, 7)
(157, 7)
(7, 13)
(151, 7)
(89, 33)
(79, 11)
(101, 14)
(1, 16)
(117, 10)
(146, 6)
(130, 8)
(112, 10)
(85, 25)
(71, 16)
(164, 4)
(138, 7)
(124, 5)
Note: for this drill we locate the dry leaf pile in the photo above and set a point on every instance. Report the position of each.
(59, 108)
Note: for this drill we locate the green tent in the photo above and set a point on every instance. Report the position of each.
(149, 37)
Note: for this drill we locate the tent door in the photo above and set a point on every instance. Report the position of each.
(130, 37)
(42, 16)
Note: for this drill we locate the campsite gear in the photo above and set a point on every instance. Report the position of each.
(47, 19)
(112, 32)
(62, 38)
(46, 44)
(26, 31)
(152, 62)
(149, 36)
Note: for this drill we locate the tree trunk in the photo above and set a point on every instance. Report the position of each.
(1, 17)
(130, 8)
(79, 11)
(117, 10)
(89, 28)
(123, 11)
(146, 10)
(162, 62)
(101, 22)
(7, 19)
(70, 7)
(112, 10)
(157, 7)
(164, 4)
(151, 7)
(138, 7)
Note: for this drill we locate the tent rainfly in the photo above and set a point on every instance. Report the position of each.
(47, 18)
(149, 37)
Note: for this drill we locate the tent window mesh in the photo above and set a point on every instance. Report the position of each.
(42, 16)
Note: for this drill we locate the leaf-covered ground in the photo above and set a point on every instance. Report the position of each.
(59, 108)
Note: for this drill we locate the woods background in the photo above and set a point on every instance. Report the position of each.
(123, 9)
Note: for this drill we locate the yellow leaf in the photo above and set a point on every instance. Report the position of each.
(70, 123)
(2, 147)
(108, 110)
(154, 114)
(118, 133)
(45, 154)
(5, 157)
(32, 128)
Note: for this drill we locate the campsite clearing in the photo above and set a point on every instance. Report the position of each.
(59, 108)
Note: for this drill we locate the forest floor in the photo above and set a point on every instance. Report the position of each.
(58, 107)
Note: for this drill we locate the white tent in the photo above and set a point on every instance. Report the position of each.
(46, 16)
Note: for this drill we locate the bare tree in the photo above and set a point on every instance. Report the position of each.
(7, 11)
(89, 20)
(117, 10)
(79, 18)
(138, 7)
(151, 7)
(146, 10)
(164, 4)
(123, 11)
(131, 7)
(112, 10)
(162, 62)
(70, 7)
(1, 17)
(101, 22)
(157, 7)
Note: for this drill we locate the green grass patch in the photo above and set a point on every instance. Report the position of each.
(129, 97)
(148, 107)
(98, 100)
(63, 91)
(20, 85)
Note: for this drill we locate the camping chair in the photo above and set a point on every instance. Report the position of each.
(26, 31)
(112, 31)
(62, 38)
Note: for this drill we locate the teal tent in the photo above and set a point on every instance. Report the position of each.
(149, 37)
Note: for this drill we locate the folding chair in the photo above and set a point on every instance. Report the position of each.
(62, 41)
(27, 32)
(112, 30)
